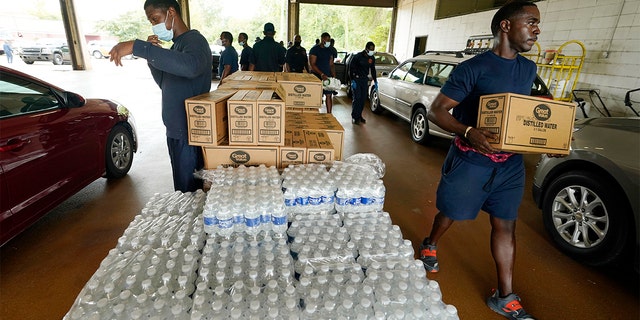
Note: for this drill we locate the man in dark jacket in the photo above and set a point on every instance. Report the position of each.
(245, 55)
(296, 57)
(267, 55)
(362, 64)
(182, 72)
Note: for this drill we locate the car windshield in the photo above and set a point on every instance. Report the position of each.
(385, 59)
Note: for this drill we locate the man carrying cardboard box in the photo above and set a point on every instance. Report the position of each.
(475, 176)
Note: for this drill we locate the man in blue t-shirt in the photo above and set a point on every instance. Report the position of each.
(475, 176)
(182, 72)
(228, 57)
(321, 62)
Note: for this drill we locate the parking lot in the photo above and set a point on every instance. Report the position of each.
(44, 268)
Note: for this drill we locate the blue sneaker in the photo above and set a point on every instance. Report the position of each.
(508, 306)
(428, 256)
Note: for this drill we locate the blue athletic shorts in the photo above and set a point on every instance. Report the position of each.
(471, 182)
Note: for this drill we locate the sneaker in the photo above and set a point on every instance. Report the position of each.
(355, 121)
(509, 306)
(363, 120)
(428, 256)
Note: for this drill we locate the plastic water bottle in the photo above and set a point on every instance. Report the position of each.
(451, 312)
(279, 220)
(252, 218)
(225, 222)
(210, 221)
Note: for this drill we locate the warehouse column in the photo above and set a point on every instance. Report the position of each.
(186, 14)
(75, 39)
(293, 19)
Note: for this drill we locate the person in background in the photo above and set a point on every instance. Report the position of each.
(362, 64)
(8, 51)
(267, 55)
(181, 72)
(296, 59)
(245, 55)
(335, 56)
(228, 57)
(475, 176)
(321, 61)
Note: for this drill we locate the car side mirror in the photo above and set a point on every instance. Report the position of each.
(73, 100)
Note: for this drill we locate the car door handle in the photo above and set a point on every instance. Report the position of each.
(13, 144)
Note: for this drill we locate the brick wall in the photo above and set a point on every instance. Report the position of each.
(609, 30)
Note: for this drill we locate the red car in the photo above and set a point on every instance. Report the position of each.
(53, 143)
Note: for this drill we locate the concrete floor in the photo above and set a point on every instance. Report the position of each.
(43, 269)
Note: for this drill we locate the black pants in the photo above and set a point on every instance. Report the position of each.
(359, 97)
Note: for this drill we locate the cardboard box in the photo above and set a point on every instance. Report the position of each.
(526, 124)
(271, 118)
(319, 148)
(252, 85)
(319, 122)
(225, 155)
(294, 150)
(207, 119)
(242, 110)
(303, 109)
(300, 89)
(261, 76)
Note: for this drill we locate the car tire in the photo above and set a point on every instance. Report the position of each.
(420, 126)
(96, 54)
(29, 62)
(57, 59)
(118, 152)
(374, 102)
(586, 216)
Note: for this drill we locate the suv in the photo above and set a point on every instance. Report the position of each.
(590, 200)
(411, 87)
(54, 50)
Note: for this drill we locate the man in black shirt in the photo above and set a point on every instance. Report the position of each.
(267, 55)
(246, 51)
(361, 64)
(296, 58)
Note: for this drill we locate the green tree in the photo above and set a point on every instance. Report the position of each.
(39, 11)
(129, 26)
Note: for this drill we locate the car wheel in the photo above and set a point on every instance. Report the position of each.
(420, 126)
(586, 216)
(374, 103)
(29, 62)
(96, 54)
(119, 152)
(57, 59)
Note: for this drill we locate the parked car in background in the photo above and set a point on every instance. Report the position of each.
(99, 49)
(590, 200)
(50, 50)
(385, 63)
(411, 87)
(52, 144)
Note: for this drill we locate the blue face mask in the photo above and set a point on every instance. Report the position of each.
(327, 44)
(161, 31)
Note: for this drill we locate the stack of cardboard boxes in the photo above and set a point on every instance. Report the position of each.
(264, 118)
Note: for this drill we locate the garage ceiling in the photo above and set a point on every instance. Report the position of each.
(369, 3)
